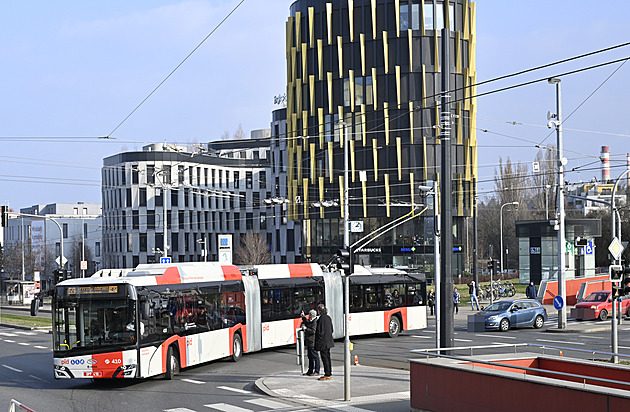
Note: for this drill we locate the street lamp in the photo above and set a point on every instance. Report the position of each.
(501, 230)
(346, 288)
(205, 252)
(436, 256)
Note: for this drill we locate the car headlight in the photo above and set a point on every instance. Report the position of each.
(495, 317)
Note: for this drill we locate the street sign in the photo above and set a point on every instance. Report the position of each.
(588, 249)
(569, 248)
(534, 250)
(64, 260)
(615, 248)
(165, 260)
(84, 265)
(558, 303)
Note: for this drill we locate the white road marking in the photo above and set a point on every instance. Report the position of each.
(560, 341)
(623, 347)
(227, 407)
(496, 336)
(7, 334)
(178, 410)
(26, 333)
(422, 337)
(267, 403)
(12, 368)
(463, 340)
(193, 381)
(10, 341)
(595, 337)
(38, 378)
(227, 388)
(24, 344)
(40, 347)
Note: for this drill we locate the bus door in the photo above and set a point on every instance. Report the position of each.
(252, 314)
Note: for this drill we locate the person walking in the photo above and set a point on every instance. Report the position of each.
(456, 299)
(309, 326)
(472, 289)
(431, 300)
(531, 292)
(324, 340)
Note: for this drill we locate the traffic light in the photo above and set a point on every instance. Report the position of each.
(343, 261)
(615, 272)
(60, 275)
(581, 241)
(625, 282)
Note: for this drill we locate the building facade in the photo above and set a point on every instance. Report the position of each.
(195, 196)
(368, 73)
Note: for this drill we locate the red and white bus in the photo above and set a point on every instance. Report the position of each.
(158, 318)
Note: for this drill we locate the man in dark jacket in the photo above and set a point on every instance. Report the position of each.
(309, 326)
(531, 291)
(324, 340)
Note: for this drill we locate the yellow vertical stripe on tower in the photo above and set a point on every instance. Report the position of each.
(397, 12)
(411, 127)
(342, 199)
(311, 29)
(289, 33)
(467, 88)
(330, 162)
(330, 92)
(447, 18)
(352, 159)
(311, 90)
(458, 52)
(374, 19)
(410, 37)
(398, 86)
(351, 18)
(387, 194)
(305, 125)
(341, 126)
(293, 64)
(363, 125)
(351, 75)
(304, 62)
(374, 88)
(385, 53)
(437, 118)
(399, 156)
(298, 98)
(425, 171)
(466, 18)
(424, 86)
(329, 21)
(298, 153)
(386, 121)
(320, 120)
(320, 59)
(362, 42)
(412, 191)
(422, 18)
(340, 55)
(321, 196)
(305, 201)
(298, 27)
(436, 52)
(375, 158)
(364, 192)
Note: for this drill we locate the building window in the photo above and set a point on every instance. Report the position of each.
(404, 17)
(249, 221)
(129, 198)
(143, 242)
(242, 200)
(65, 231)
(262, 179)
(143, 196)
(290, 240)
(248, 180)
(236, 180)
(85, 230)
(129, 242)
(150, 174)
(190, 175)
(346, 92)
(124, 220)
(205, 176)
(263, 221)
(237, 221)
(159, 197)
(151, 219)
(428, 16)
(213, 178)
(256, 199)
(174, 198)
(415, 17)
(97, 249)
(180, 216)
(135, 219)
(180, 174)
(135, 176)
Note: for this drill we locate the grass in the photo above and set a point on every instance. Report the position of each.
(26, 321)
(465, 295)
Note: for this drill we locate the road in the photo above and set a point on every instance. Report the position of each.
(26, 372)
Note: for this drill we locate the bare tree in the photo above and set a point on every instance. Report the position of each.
(76, 255)
(225, 135)
(13, 257)
(253, 250)
(239, 134)
(543, 182)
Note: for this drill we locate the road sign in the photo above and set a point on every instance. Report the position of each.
(558, 303)
(569, 248)
(64, 260)
(615, 248)
(165, 260)
(84, 265)
(588, 249)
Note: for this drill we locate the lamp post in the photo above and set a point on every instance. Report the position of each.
(436, 256)
(501, 230)
(205, 252)
(346, 287)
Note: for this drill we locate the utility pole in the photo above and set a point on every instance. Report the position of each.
(346, 286)
(445, 310)
(475, 258)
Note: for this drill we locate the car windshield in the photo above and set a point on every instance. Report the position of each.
(597, 297)
(498, 307)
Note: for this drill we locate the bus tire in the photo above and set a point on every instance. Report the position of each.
(34, 307)
(172, 364)
(237, 347)
(394, 327)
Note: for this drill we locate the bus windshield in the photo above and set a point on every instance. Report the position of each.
(93, 318)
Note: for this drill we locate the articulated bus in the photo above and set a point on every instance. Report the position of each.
(157, 318)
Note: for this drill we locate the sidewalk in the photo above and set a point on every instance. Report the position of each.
(367, 385)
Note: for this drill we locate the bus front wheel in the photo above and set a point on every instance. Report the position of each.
(172, 364)
(394, 327)
(237, 347)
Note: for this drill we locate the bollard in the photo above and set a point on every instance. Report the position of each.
(356, 360)
(299, 348)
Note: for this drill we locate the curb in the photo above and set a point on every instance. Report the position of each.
(579, 330)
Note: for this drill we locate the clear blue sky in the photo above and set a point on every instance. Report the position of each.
(76, 69)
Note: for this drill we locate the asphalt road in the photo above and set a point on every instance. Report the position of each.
(26, 371)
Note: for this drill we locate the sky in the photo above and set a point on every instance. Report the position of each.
(72, 71)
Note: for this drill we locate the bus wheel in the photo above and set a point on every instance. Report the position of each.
(394, 327)
(237, 347)
(172, 364)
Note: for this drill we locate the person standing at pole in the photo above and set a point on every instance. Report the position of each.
(309, 326)
(324, 340)
(472, 289)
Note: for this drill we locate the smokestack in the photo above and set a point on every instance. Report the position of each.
(605, 157)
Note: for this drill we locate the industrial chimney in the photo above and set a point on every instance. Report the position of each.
(605, 157)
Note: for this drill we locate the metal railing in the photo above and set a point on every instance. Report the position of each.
(15, 404)
(436, 353)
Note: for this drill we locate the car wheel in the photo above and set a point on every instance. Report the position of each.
(603, 315)
(237, 347)
(504, 325)
(172, 364)
(539, 322)
(394, 327)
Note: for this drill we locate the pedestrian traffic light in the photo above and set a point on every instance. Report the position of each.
(615, 272)
(343, 261)
(581, 241)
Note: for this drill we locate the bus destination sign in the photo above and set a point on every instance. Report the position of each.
(92, 290)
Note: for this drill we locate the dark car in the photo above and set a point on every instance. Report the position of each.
(515, 313)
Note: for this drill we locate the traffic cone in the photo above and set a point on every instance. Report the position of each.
(561, 353)
(356, 360)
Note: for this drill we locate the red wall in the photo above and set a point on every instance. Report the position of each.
(573, 287)
(440, 388)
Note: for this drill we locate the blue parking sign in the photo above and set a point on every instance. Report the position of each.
(165, 260)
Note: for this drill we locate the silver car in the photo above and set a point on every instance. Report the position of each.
(515, 313)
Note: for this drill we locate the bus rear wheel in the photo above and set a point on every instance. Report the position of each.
(172, 364)
(394, 327)
(237, 347)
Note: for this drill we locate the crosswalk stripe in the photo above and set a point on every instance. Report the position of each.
(193, 381)
(178, 410)
(26, 333)
(7, 334)
(227, 388)
(24, 344)
(267, 403)
(225, 407)
(40, 347)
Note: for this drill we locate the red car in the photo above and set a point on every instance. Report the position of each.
(598, 305)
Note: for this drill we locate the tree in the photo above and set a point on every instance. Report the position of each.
(76, 254)
(239, 134)
(253, 250)
(543, 183)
